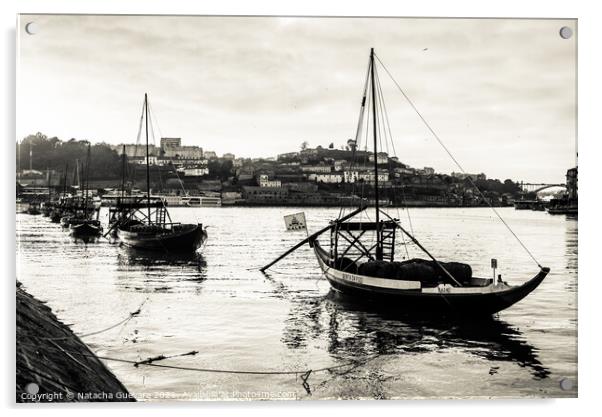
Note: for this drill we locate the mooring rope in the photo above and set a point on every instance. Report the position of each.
(456, 161)
(121, 322)
(303, 373)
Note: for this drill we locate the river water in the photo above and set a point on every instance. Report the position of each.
(237, 318)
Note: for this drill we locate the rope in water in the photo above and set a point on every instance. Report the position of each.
(428, 126)
(354, 363)
(121, 322)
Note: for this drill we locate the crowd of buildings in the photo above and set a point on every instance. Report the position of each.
(311, 176)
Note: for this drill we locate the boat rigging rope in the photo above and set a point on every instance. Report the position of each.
(156, 120)
(386, 117)
(389, 139)
(428, 126)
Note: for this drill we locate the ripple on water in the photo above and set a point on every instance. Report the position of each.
(219, 304)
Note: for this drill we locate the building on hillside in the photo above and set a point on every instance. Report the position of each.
(141, 160)
(229, 156)
(426, 171)
(264, 194)
(340, 164)
(132, 151)
(305, 187)
(316, 168)
(210, 155)
(352, 176)
(194, 171)
(308, 152)
(404, 171)
(381, 158)
(463, 176)
(170, 143)
(264, 182)
(288, 156)
(330, 178)
(183, 152)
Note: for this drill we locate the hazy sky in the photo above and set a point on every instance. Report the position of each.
(500, 93)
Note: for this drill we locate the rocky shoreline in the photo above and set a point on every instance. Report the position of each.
(53, 364)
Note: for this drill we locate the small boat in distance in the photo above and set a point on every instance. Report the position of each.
(83, 224)
(145, 223)
(34, 208)
(360, 261)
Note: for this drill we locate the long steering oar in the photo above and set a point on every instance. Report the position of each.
(311, 237)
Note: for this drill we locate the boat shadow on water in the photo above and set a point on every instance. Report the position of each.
(355, 330)
(150, 271)
(155, 259)
(84, 239)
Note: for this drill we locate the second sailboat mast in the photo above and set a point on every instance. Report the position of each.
(379, 251)
(147, 164)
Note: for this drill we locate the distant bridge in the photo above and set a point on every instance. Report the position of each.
(535, 188)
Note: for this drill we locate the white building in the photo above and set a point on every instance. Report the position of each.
(366, 176)
(195, 172)
(316, 168)
(265, 182)
(381, 158)
(330, 178)
(405, 170)
(152, 160)
(339, 164)
(183, 152)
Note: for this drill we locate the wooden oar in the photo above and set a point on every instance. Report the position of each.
(312, 236)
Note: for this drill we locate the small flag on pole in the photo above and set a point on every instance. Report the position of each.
(295, 221)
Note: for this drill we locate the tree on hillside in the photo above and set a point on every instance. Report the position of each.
(53, 153)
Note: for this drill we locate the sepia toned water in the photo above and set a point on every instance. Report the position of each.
(237, 318)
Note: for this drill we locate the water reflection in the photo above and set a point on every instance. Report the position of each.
(571, 250)
(150, 259)
(149, 271)
(354, 332)
(85, 239)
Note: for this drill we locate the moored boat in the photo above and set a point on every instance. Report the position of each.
(82, 223)
(33, 209)
(360, 260)
(145, 223)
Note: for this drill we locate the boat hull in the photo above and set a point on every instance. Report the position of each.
(411, 297)
(86, 229)
(189, 239)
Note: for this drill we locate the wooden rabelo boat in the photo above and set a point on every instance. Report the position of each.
(360, 259)
(145, 223)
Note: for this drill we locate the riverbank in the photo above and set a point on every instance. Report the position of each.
(53, 364)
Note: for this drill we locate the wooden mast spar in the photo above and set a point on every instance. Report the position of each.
(147, 164)
(379, 247)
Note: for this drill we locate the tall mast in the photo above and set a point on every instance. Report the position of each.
(65, 182)
(87, 180)
(123, 171)
(49, 189)
(147, 165)
(379, 249)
